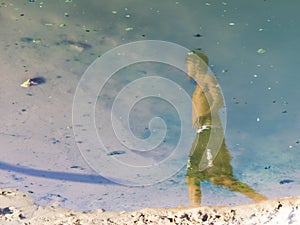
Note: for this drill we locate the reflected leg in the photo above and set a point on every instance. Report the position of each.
(236, 185)
(194, 191)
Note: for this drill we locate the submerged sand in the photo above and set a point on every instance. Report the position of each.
(37, 120)
(18, 208)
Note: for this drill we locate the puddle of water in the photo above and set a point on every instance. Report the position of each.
(254, 59)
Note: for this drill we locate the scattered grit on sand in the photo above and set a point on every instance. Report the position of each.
(17, 208)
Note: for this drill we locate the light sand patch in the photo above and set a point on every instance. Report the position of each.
(17, 208)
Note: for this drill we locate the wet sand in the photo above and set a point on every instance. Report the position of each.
(18, 208)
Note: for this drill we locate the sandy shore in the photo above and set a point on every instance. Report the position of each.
(17, 208)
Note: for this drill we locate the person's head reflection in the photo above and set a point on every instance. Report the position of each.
(207, 101)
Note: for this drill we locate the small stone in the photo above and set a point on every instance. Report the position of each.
(21, 216)
(205, 217)
(8, 193)
(6, 210)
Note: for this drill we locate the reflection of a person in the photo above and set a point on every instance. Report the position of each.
(207, 100)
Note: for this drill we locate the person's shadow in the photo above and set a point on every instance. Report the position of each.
(209, 161)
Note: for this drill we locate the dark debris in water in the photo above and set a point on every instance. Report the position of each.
(76, 44)
(77, 167)
(286, 181)
(30, 40)
(119, 152)
(26, 39)
(38, 80)
(267, 167)
(33, 82)
(198, 35)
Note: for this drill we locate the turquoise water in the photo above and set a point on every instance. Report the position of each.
(252, 49)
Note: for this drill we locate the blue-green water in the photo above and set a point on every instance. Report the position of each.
(252, 48)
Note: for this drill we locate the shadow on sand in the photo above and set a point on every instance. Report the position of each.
(65, 176)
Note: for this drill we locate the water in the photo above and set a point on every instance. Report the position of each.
(252, 49)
